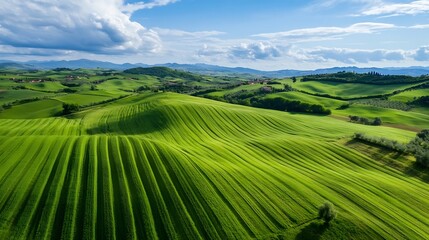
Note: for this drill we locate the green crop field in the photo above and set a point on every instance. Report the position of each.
(38, 109)
(7, 96)
(410, 95)
(154, 164)
(346, 90)
(159, 166)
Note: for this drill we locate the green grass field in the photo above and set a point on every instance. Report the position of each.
(45, 86)
(38, 109)
(7, 96)
(87, 97)
(410, 95)
(346, 90)
(327, 102)
(170, 166)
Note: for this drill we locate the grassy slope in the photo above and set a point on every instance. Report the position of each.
(413, 118)
(410, 95)
(346, 90)
(8, 96)
(172, 166)
(37, 109)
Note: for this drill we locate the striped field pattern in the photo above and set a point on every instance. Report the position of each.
(169, 166)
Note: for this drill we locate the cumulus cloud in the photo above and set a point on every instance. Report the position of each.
(329, 32)
(258, 50)
(98, 26)
(394, 9)
(422, 54)
(354, 56)
(249, 51)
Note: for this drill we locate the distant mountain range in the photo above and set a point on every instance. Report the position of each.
(208, 69)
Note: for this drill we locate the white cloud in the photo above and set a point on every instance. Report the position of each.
(329, 32)
(422, 54)
(98, 26)
(394, 9)
(318, 4)
(249, 51)
(354, 56)
(420, 26)
(184, 34)
(255, 51)
(132, 7)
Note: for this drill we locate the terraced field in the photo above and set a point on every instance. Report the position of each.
(170, 166)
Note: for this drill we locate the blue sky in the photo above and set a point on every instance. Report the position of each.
(268, 35)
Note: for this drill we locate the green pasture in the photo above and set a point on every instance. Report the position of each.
(88, 97)
(415, 118)
(327, 102)
(38, 109)
(170, 166)
(44, 86)
(408, 96)
(7, 96)
(346, 90)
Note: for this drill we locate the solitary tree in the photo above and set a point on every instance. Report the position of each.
(377, 121)
(327, 212)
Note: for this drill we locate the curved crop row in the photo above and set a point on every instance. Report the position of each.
(154, 168)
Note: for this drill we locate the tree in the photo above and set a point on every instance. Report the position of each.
(294, 79)
(420, 147)
(377, 121)
(70, 108)
(327, 212)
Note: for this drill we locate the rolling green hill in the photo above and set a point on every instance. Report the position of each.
(170, 166)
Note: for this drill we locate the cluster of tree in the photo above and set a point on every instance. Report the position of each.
(419, 146)
(344, 106)
(142, 89)
(273, 82)
(69, 90)
(283, 104)
(19, 87)
(62, 69)
(72, 84)
(422, 101)
(370, 78)
(163, 72)
(179, 87)
(384, 103)
(70, 108)
(7, 106)
(288, 88)
(383, 142)
(362, 120)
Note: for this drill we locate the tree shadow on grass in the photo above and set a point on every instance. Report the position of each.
(313, 231)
